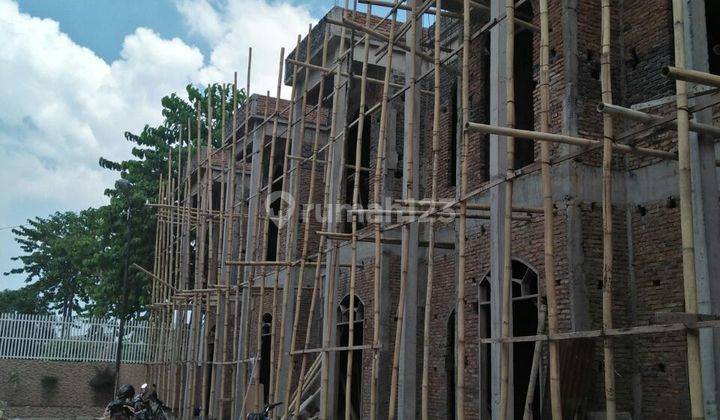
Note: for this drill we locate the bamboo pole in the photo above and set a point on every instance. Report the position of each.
(354, 222)
(686, 214)
(306, 235)
(462, 224)
(680, 73)
(470, 206)
(575, 141)
(199, 261)
(535, 367)
(405, 232)
(160, 287)
(377, 35)
(506, 302)
(608, 136)
(331, 225)
(263, 251)
(271, 393)
(289, 138)
(644, 117)
(175, 348)
(209, 276)
(430, 11)
(548, 220)
(431, 234)
(228, 241)
(379, 178)
(164, 374)
(291, 228)
(218, 369)
(243, 293)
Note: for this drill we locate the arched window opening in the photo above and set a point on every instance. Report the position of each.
(343, 326)
(524, 296)
(266, 338)
(524, 89)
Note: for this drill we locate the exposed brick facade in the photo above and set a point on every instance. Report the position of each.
(642, 44)
(650, 370)
(21, 388)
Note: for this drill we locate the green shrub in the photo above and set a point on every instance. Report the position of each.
(49, 385)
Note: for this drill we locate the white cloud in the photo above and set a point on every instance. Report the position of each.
(63, 106)
(230, 27)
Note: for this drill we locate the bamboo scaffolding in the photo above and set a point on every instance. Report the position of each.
(697, 406)
(548, 226)
(180, 346)
(376, 34)
(429, 11)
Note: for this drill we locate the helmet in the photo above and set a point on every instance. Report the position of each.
(126, 391)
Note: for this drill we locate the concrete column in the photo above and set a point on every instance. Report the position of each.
(250, 248)
(336, 160)
(291, 226)
(498, 168)
(568, 173)
(407, 379)
(706, 217)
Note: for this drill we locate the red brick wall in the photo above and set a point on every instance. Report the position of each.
(21, 388)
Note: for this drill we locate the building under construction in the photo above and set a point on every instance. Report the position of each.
(466, 209)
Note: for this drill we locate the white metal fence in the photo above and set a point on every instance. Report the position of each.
(49, 337)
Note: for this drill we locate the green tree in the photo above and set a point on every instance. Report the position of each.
(74, 261)
(150, 154)
(24, 301)
(55, 263)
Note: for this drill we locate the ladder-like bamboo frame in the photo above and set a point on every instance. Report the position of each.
(183, 314)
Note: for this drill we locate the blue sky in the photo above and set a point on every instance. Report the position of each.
(102, 25)
(78, 73)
